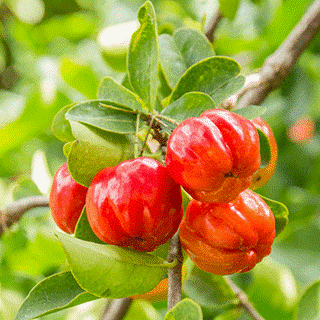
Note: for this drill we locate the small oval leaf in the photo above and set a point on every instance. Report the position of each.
(206, 76)
(110, 271)
(185, 309)
(101, 114)
(60, 125)
(209, 290)
(228, 89)
(280, 212)
(191, 104)
(193, 45)
(57, 292)
(143, 56)
(113, 92)
(95, 150)
(171, 60)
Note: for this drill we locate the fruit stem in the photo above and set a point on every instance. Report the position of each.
(136, 140)
(147, 135)
(168, 119)
(175, 273)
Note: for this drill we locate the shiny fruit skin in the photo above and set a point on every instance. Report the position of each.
(263, 175)
(67, 199)
(135, 204)
(228, 238)
(214, 156)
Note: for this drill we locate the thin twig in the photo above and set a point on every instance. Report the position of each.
(212, 25)
(147, 135)
(243, 301)
(136, 138)
(278, 66)
(174, 274)
(14, 211)
(117, 309)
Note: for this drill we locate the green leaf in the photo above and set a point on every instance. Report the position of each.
(229, 8)
(143, 56)
(186, 309)
(113, 92)
(209, 290)
(111, 271)
(206, 76)
(83, 230)
(193, 45)
(171, 60)
(228, 89)
(265, 149)
(126, 82)
(182, 50)
(80, 77)
(191, 104)
(280, 212)
(66, 148)
(114, 119)
(95, 150)
(55, 293)
(251, 112)
(60, 125)
(309, 305)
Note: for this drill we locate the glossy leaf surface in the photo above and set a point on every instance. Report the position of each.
(111, 271)
(53, 294)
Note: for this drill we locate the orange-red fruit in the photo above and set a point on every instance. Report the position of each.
(263, 175)
(228, 238)
(67, 199)
(135, 204)
(302, 131)
(214, 156)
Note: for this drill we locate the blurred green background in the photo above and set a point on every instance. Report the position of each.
(50, 56)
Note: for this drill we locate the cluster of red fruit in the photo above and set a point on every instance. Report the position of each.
(138, 203)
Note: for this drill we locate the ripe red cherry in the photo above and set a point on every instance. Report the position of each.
(135, 204)
(214, 156)
(67, 199)
(228, 238)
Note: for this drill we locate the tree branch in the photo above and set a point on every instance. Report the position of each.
(212, 25)
(278, 66)
(14, 211)
(174, 274)
(117, 309)
(243, 301)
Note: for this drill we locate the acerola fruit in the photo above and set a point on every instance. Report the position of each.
(135, 204)
(302, 131)
(67, 199)
(228, 238)
(263, 175)
(214, 156)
